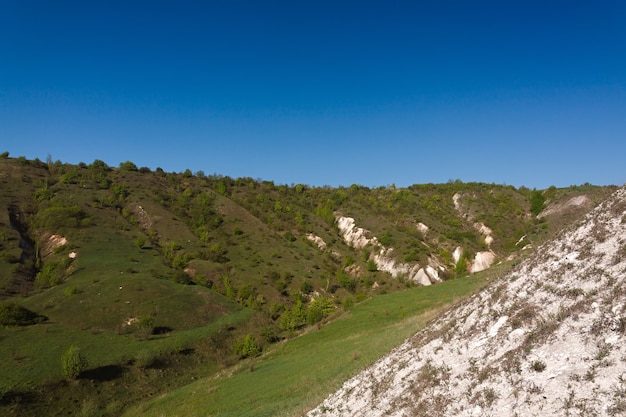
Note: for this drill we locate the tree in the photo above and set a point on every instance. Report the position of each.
(128, 166)
(247, 346)
(537, 201)
(371, 265)
(13, 314)
(320, 308)
(73, 362)
(461, 267)
(294, 317)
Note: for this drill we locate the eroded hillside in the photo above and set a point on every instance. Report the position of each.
(547, 339)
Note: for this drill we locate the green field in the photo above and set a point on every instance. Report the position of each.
(297, 374)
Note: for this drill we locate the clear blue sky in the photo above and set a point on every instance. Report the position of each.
(333, 93)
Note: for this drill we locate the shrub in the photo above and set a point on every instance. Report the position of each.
(293, 318)
(538, 366)
(73, 362)
(145, 326)
(145, 359)
(247, 346)
(128, 166)
(13, 314)
(69, 291)
(371, 266)
(62, 216)
(181, 277)
(306, 287)
(50, 275)
(461, 267)
(319, 309)
(537, 202)
(346, 281)
(140, 242)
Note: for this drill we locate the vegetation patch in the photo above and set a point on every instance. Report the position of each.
(13, 314)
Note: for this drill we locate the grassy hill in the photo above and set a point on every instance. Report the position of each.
(159, 278)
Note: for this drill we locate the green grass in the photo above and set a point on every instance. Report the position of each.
(297, 374)
(31, 356)
(93, 317)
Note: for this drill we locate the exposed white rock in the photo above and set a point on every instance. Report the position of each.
(482, 229)
(421, 277)
(456, 255)
(485, 231)
(57, 240)
(578, 201)
(482, 261)
(422, 228)
(353, 235)
(433, 274)
(456, 199)
(358, 238)
(51, 244)
(521, 239)
(317, 240)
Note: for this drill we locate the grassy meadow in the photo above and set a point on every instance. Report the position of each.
(295, 375)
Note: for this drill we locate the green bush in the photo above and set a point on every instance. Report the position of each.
(128, 166)
(50, 275)
(62, 216)
(145, 327)
(247, 346)
(306, 287)
(371, 265)
(73, 362)
(538, 365)
(13, 314)
(319, 309)
(293, 318)
(145, 359)
(181, 277)
(537, 202)
(346, 281)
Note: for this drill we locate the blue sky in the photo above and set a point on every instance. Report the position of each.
(322, 93)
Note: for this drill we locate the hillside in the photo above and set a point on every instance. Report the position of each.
(546, 339)
(161, 277)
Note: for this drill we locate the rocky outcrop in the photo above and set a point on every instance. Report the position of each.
(484, 259)
(360, 238)
(318, 241)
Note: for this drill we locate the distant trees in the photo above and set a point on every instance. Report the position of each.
(62, 215)
(128, 166)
